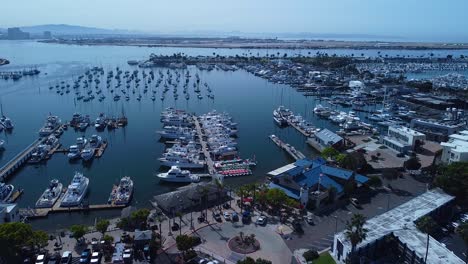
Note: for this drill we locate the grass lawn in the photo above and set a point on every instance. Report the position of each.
(324, 258)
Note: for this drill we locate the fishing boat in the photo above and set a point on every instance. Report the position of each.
(87, 153)
(122, 193)
(39, 154)
(95, 141)
(50, 195)
(175, 174)
(52, 123)
(76, 191)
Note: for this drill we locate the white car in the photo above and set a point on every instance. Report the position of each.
(95, 257)
(261, 220)
(227, 216)
(40, 259)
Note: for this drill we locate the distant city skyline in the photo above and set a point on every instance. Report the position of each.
(410, 20)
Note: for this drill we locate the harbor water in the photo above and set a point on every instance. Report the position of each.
(134, 149)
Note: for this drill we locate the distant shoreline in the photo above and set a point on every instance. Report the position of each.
(262, 44)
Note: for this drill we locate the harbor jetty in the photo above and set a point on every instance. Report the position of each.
(44, 212)
(16, 162)
(204, 145)
(297, 155)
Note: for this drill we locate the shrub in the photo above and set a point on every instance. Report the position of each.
(310, 255)
(375, 181)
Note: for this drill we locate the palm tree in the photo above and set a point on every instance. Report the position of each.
(463, 231)
(179, 214)
(219, 189)
(159, 219)
(355, 231)
(427, 225)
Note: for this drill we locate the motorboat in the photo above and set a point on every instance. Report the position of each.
(6, 190)
(87, 153)
(52, 123)
(6, 123)
(74, 152)
(50, 195)
(190, 162)
(76, 191)
(122, 193)
(95, 141)
(39, 153)
(175, 174)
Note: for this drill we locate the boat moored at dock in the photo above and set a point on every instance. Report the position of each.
(76, 191)
(122, 194)
(50, 195)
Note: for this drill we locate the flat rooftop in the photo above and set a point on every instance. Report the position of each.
(282, 170)
(400, 222)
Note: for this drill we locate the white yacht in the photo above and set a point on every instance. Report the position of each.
(87, 153)
(6, 190)
(175, 174)
(122, 194)
(52, 123)
(95, 141)
(39, 154)
(76, 191)
(6, 123)
(322, 111)
(50, 195)
(172, 132)
(73, 152)
(191, 162)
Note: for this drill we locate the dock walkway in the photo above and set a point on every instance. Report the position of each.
(206, 153)
(17, 161)
(297, 155)
(295, 126)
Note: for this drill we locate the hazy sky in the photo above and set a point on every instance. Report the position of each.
(406, 18)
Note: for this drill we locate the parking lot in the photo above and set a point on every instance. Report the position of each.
(320, 235)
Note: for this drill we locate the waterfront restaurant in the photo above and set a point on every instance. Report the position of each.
(311, 180)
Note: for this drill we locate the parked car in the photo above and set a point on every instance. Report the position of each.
(226, 206)
(85, 256)
(96, 258)
(227, 216)
(234, 217)
(128, 255)
(66, 257)
(310, 220)
(261, 220)
(41, 259)
(217, 217)
(356, 203)
(54, 259)
(297, 226)
(246, 217)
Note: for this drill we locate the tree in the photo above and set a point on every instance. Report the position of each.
(139, 217)
(102, 226)
(427, 225)
(329, 152)
(184, 243)
(453, 179)
(275, 197)
(463, 231)
(374, 181)
(355, 231)
(249, 260)
(15, 236)
(78, 231)
(179, 214)
(310, 255)
(412, 163)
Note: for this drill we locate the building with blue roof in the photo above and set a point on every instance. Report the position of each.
(313, 179)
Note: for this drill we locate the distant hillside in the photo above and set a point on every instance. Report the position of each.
(62, 29)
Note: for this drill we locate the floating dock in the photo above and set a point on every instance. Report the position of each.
(16, 162)
(297, 155)
(44, 212)
(206, 153)
(99, 151)
(302, 131)
(15, 196)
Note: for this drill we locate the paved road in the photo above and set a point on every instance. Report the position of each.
(320, 236)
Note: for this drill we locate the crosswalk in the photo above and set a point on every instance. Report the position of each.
(320, 244)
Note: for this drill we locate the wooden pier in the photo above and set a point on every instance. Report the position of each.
(15, 196)
(44, 212)
(99, 151)
(295, 126)
(206, 153)
(297, 155)
(16, 162)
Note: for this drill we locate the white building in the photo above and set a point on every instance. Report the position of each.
(456, 149)
(399, 224)
(402, 139)
(9, 213)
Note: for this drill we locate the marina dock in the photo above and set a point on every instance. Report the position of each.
(295, 126)
(206, 153)
(297, 155)
(99, 151)
(44, 212)
(16, 162)
(15, 196)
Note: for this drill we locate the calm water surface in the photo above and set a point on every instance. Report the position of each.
(134, 150)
